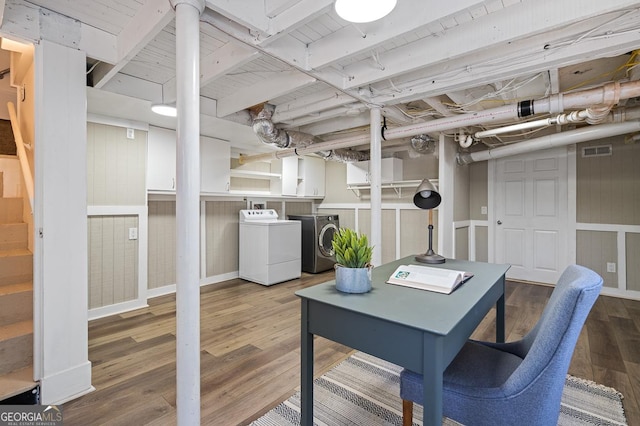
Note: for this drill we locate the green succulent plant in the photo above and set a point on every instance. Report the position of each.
(352, 250)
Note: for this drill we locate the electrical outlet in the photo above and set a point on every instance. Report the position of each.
(611, 267)
(133, 233)
(483, 210)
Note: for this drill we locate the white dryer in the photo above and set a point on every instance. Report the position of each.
(269, 249)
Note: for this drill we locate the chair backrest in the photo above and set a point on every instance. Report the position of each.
(549, 345)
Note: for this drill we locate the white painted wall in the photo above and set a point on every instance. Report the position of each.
(60, 280)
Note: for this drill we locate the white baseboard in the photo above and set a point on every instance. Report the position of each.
(66, 385)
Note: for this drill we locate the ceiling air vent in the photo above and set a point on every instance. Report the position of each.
(596, 151)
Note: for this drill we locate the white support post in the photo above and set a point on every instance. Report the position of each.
(375, 173)
(188, 211)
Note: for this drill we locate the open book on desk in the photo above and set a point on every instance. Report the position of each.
(427, 278)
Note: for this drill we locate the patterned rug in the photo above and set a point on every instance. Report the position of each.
(364, 390)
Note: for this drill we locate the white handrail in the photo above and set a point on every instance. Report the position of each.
(22, 153)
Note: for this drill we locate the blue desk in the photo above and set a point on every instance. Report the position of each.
(416, 329)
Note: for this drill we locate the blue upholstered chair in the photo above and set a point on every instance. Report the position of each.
(517, 382)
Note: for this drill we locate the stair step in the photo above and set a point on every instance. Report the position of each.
(16, 382)
(16, 266)
(16, 346)
(13, 236)
(11, 210)
(16, 303)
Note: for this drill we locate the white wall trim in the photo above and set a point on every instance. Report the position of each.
(115, 309)
(66, 385)
(117, 122)
(171, 288)
(471, 226)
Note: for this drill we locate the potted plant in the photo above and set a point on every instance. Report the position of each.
(353, 256)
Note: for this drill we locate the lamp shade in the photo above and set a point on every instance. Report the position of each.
(361, 11)
(426, 196)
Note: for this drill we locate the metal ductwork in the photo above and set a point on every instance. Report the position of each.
(268, 133)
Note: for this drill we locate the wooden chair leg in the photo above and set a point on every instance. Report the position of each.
(407, 412)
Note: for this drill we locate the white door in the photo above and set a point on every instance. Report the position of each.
(531, 215)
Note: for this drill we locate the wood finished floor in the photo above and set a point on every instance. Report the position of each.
(250, 353)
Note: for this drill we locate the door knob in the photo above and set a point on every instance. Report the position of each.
(499, 222)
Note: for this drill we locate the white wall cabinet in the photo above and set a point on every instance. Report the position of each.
(303, 177)
(215, 157)
(358, 172)
(161, 159)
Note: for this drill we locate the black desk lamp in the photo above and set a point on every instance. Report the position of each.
(426, 197)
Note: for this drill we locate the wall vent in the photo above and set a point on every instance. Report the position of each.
(597, 151)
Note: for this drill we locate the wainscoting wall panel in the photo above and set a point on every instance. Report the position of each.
(597, 249)
(162, 243)
(633, 265)
(222, 236)
(113, 260)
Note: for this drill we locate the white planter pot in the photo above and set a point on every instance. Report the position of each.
(353, 280)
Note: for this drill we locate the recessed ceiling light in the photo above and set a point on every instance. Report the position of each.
(361, 11)
(166, 110)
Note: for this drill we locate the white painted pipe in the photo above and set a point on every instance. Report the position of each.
(375, 173)
(559, 139)
(556, 103)
(22, 153)
(188, 211)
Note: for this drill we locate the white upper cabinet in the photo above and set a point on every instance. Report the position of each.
(303, 177)
(358, 173)
(161, 166)
(161, 159)
(215, 157)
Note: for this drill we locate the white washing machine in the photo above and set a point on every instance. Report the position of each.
(270, 249)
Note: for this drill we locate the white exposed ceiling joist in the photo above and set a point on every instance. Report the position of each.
(310, 104)
(229, 57)
(496, 30)
(335, 124)
(149, 20)
(405, 19)
(285, 82)
(528, 64)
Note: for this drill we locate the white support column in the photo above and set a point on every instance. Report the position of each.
(375, 173)
(446, 186)
(188, 211)
(58, 99)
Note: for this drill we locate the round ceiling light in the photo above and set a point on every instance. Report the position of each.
(361, 11)
(165, 110)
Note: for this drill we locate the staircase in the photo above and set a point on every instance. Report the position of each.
(16, 301)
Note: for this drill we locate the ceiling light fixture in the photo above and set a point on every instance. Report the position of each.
(361, 11)
(166, 110)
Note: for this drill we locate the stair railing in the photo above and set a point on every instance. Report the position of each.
(22, 153)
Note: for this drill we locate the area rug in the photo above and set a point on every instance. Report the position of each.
(364, 390)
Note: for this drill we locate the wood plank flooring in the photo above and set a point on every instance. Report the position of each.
(250, 341)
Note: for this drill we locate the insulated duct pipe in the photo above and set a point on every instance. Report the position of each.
(559, 139)
(553, 104)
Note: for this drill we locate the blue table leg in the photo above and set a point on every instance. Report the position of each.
(306, 368)
(500, 314)
(432, 370)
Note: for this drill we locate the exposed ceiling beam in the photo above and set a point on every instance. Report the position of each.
(406, 18)
(150, 19)
(497, 30)
(284, 82)
(455, 76)
(229, 57)
(310, 104)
